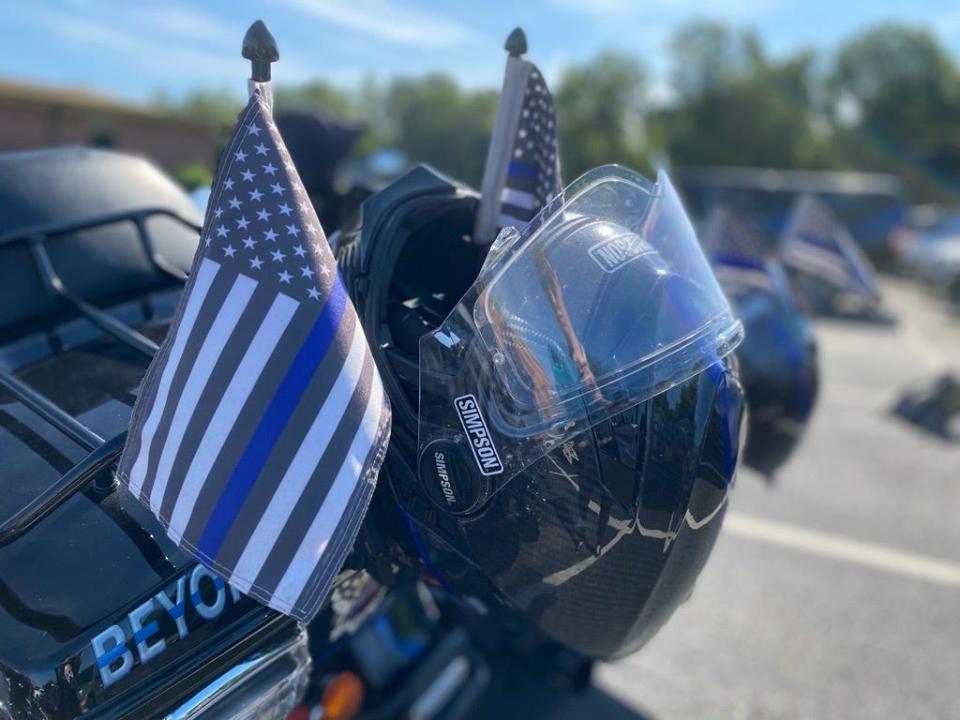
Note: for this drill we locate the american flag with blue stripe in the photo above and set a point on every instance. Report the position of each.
(738, 255)
(533, 174)
(261, 424)
(816, 242)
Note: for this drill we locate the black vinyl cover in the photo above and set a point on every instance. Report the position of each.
(43, 189)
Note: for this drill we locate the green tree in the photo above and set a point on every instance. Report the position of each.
(218, 108)
(904, 91)
(315, 96)
(708, 56)
(193, 175)
(433, 120)
(600, 114)
(735, 106)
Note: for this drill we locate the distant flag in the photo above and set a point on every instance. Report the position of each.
(739, 256)
(262, 422)
(816, 242)
(522, 171)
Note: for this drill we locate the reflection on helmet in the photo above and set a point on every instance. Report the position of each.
(597, 536)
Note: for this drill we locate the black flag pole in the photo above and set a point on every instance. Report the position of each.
(260, 48)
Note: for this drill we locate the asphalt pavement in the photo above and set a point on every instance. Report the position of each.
(833, 592)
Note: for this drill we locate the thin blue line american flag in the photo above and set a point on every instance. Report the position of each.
(533, 175)
(738, 255)
(816, 242)
(262, 422)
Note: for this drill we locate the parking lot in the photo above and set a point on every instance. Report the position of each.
(833, 592)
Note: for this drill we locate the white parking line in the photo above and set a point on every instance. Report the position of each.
(836, 547)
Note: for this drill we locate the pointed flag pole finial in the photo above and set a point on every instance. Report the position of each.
(516, 43)
(260, 48)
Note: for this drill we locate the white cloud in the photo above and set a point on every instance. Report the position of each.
(660, 10)
(185, 23)
(169, 46)
(390, 21)
(154, 53)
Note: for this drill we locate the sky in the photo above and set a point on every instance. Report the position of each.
(134, 49)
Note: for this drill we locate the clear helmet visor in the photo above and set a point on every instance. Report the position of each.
(603, 301)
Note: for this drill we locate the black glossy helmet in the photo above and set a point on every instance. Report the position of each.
(567, 416)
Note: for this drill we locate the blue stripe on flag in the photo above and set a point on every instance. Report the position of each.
(521, 169)
(819, 242)
(274, 420)
(738, 261)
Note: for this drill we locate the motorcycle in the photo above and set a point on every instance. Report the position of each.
(103, 615)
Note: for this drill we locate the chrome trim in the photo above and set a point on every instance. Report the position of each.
(204, 704)
(438, 693)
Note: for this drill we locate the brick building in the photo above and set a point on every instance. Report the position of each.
(34, 116)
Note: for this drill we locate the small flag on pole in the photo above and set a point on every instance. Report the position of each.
(815, 242)
(262, 422)
(738, 255)
(522, 171)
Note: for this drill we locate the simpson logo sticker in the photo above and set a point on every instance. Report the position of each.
(484, 452)
(440, 460)
(615, 252)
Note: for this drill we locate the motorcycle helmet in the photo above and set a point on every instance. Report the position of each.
(567, 413)
(778, 367)
(778, 357)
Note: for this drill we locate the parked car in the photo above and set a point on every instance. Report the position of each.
(930, 249)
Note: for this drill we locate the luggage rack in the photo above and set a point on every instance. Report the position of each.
(101, 453)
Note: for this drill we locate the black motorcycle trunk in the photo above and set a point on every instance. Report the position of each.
(99, 612)
(79, 588)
